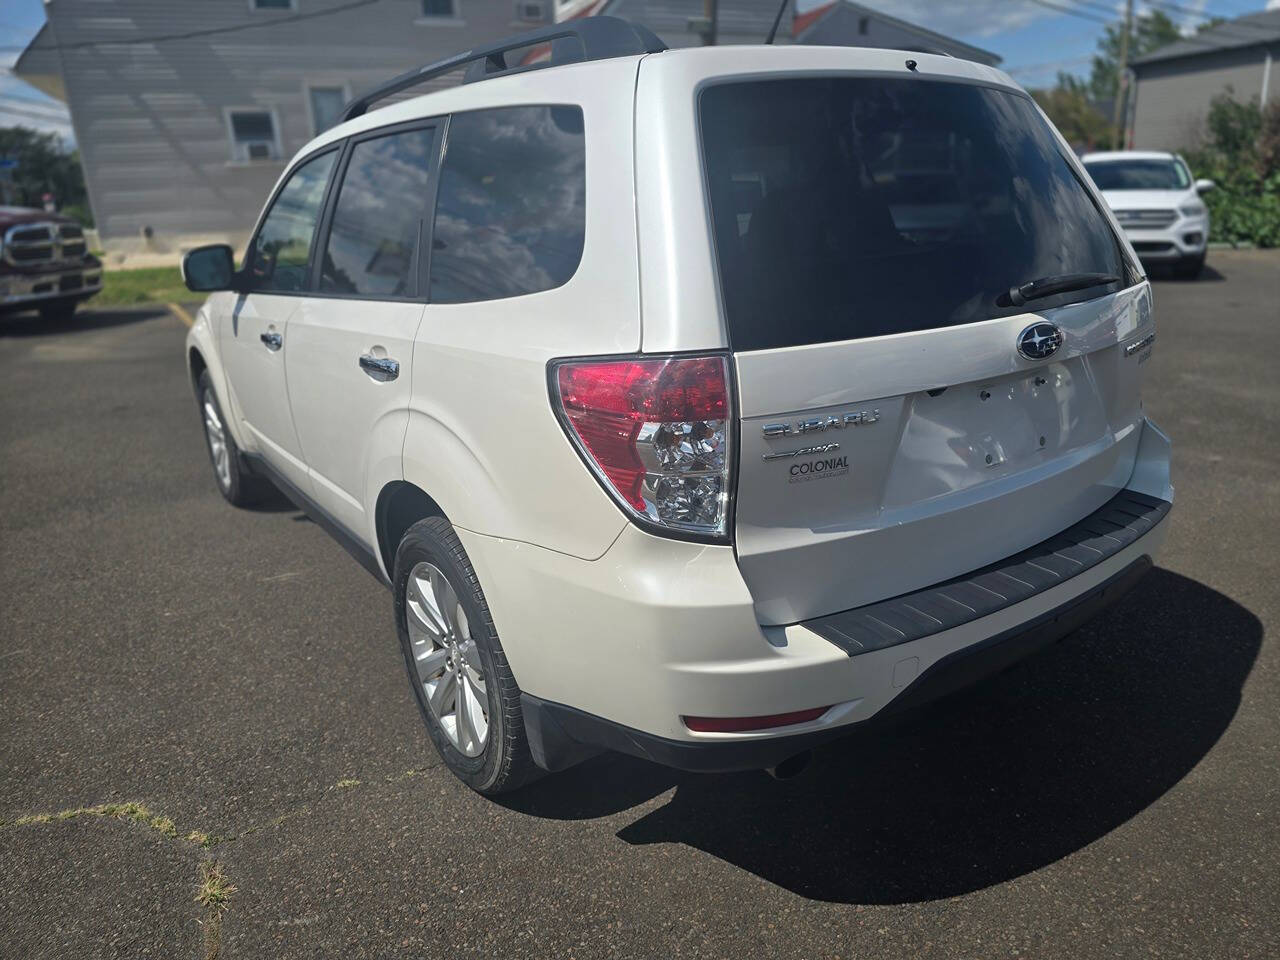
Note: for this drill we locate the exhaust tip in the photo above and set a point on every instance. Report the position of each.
(790, 767)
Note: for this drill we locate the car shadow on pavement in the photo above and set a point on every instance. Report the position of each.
(1165, 274)
(974, 790)
(31, 324)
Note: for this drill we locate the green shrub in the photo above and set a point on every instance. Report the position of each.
(1242, 156)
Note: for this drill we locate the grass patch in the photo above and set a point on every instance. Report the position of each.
(131, 811)
(214, 892)
(144, 285)
(347, 784)
(202, 839)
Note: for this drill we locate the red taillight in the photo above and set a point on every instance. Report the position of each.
(739, 724)
(657, 431)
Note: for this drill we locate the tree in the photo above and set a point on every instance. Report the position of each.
(1241, 154)
(44, 165)
(1150, 30)
(1079, 120)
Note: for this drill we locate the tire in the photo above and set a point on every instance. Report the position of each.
(59, 311)
(438, 596)
(240, 487)
(1188, 268)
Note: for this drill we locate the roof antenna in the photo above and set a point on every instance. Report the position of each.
(773, 31)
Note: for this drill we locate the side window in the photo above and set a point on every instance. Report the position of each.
(280, 256)
(373, 243)
(511, 209)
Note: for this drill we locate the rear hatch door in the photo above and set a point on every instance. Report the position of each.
(873, 237)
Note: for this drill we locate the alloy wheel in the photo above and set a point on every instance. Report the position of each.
(216, 434)
(446, 659)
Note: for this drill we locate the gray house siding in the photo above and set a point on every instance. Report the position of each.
(151, 119)
(738, 21)
(1172, 97)
(851, 25)
(841, 23)
(151, 85)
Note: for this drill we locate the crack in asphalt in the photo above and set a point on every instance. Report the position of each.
(214, 891)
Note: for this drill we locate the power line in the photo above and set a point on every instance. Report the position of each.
(1073, 11)
(1114, 22)
(1206, 15)
(1050, 65)
(1109, 11)
(209, 31)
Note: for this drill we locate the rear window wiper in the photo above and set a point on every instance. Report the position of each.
(1048, 286)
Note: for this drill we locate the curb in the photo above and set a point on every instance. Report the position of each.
(180, 312)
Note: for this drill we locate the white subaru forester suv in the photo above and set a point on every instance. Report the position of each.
(696, 404)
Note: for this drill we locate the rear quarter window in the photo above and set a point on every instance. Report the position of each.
(511, 207)
(848, 207)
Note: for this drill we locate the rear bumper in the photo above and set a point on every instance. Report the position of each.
(21, 290)
(561, 736)
(612, 653)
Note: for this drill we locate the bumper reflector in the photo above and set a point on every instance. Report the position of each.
(739, 724)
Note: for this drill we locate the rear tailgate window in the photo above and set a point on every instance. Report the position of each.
(849, 207)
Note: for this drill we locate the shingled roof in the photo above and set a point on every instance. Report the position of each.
(1256, 28)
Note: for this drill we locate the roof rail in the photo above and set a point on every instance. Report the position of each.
(923, 48)
(574, 41)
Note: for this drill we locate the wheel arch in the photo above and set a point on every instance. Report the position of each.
(400, 505)
(202, 354)
(196, 365)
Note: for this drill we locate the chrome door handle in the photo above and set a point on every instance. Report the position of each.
(380, 368)
(273, 340)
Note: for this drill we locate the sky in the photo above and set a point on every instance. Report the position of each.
(1035, 41)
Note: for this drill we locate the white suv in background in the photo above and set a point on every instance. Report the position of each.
(697, 404)
(1156, 202)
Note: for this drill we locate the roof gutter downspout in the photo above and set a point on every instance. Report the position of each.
(1266, 78)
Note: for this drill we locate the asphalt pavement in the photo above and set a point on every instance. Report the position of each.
(209, 747)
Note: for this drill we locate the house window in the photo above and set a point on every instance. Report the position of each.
(326, 107)
(530, 11)
(271, 4)
(440, 9)
(253, 135)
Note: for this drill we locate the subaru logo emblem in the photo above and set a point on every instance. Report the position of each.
(1040, 341)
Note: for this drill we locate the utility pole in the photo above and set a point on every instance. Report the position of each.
(706, 25)
(1122, 78)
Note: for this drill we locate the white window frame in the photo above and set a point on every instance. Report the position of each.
(311, 82)
(238, 161)
(254, 8)
(453, 20)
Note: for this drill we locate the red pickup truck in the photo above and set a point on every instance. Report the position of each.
(45, 264)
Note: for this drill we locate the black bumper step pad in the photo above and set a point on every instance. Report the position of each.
(1099, 536)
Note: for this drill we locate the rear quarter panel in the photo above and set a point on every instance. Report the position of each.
(482, 438)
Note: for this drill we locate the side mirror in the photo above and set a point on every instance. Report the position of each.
(210, 268)
(1204, 186)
